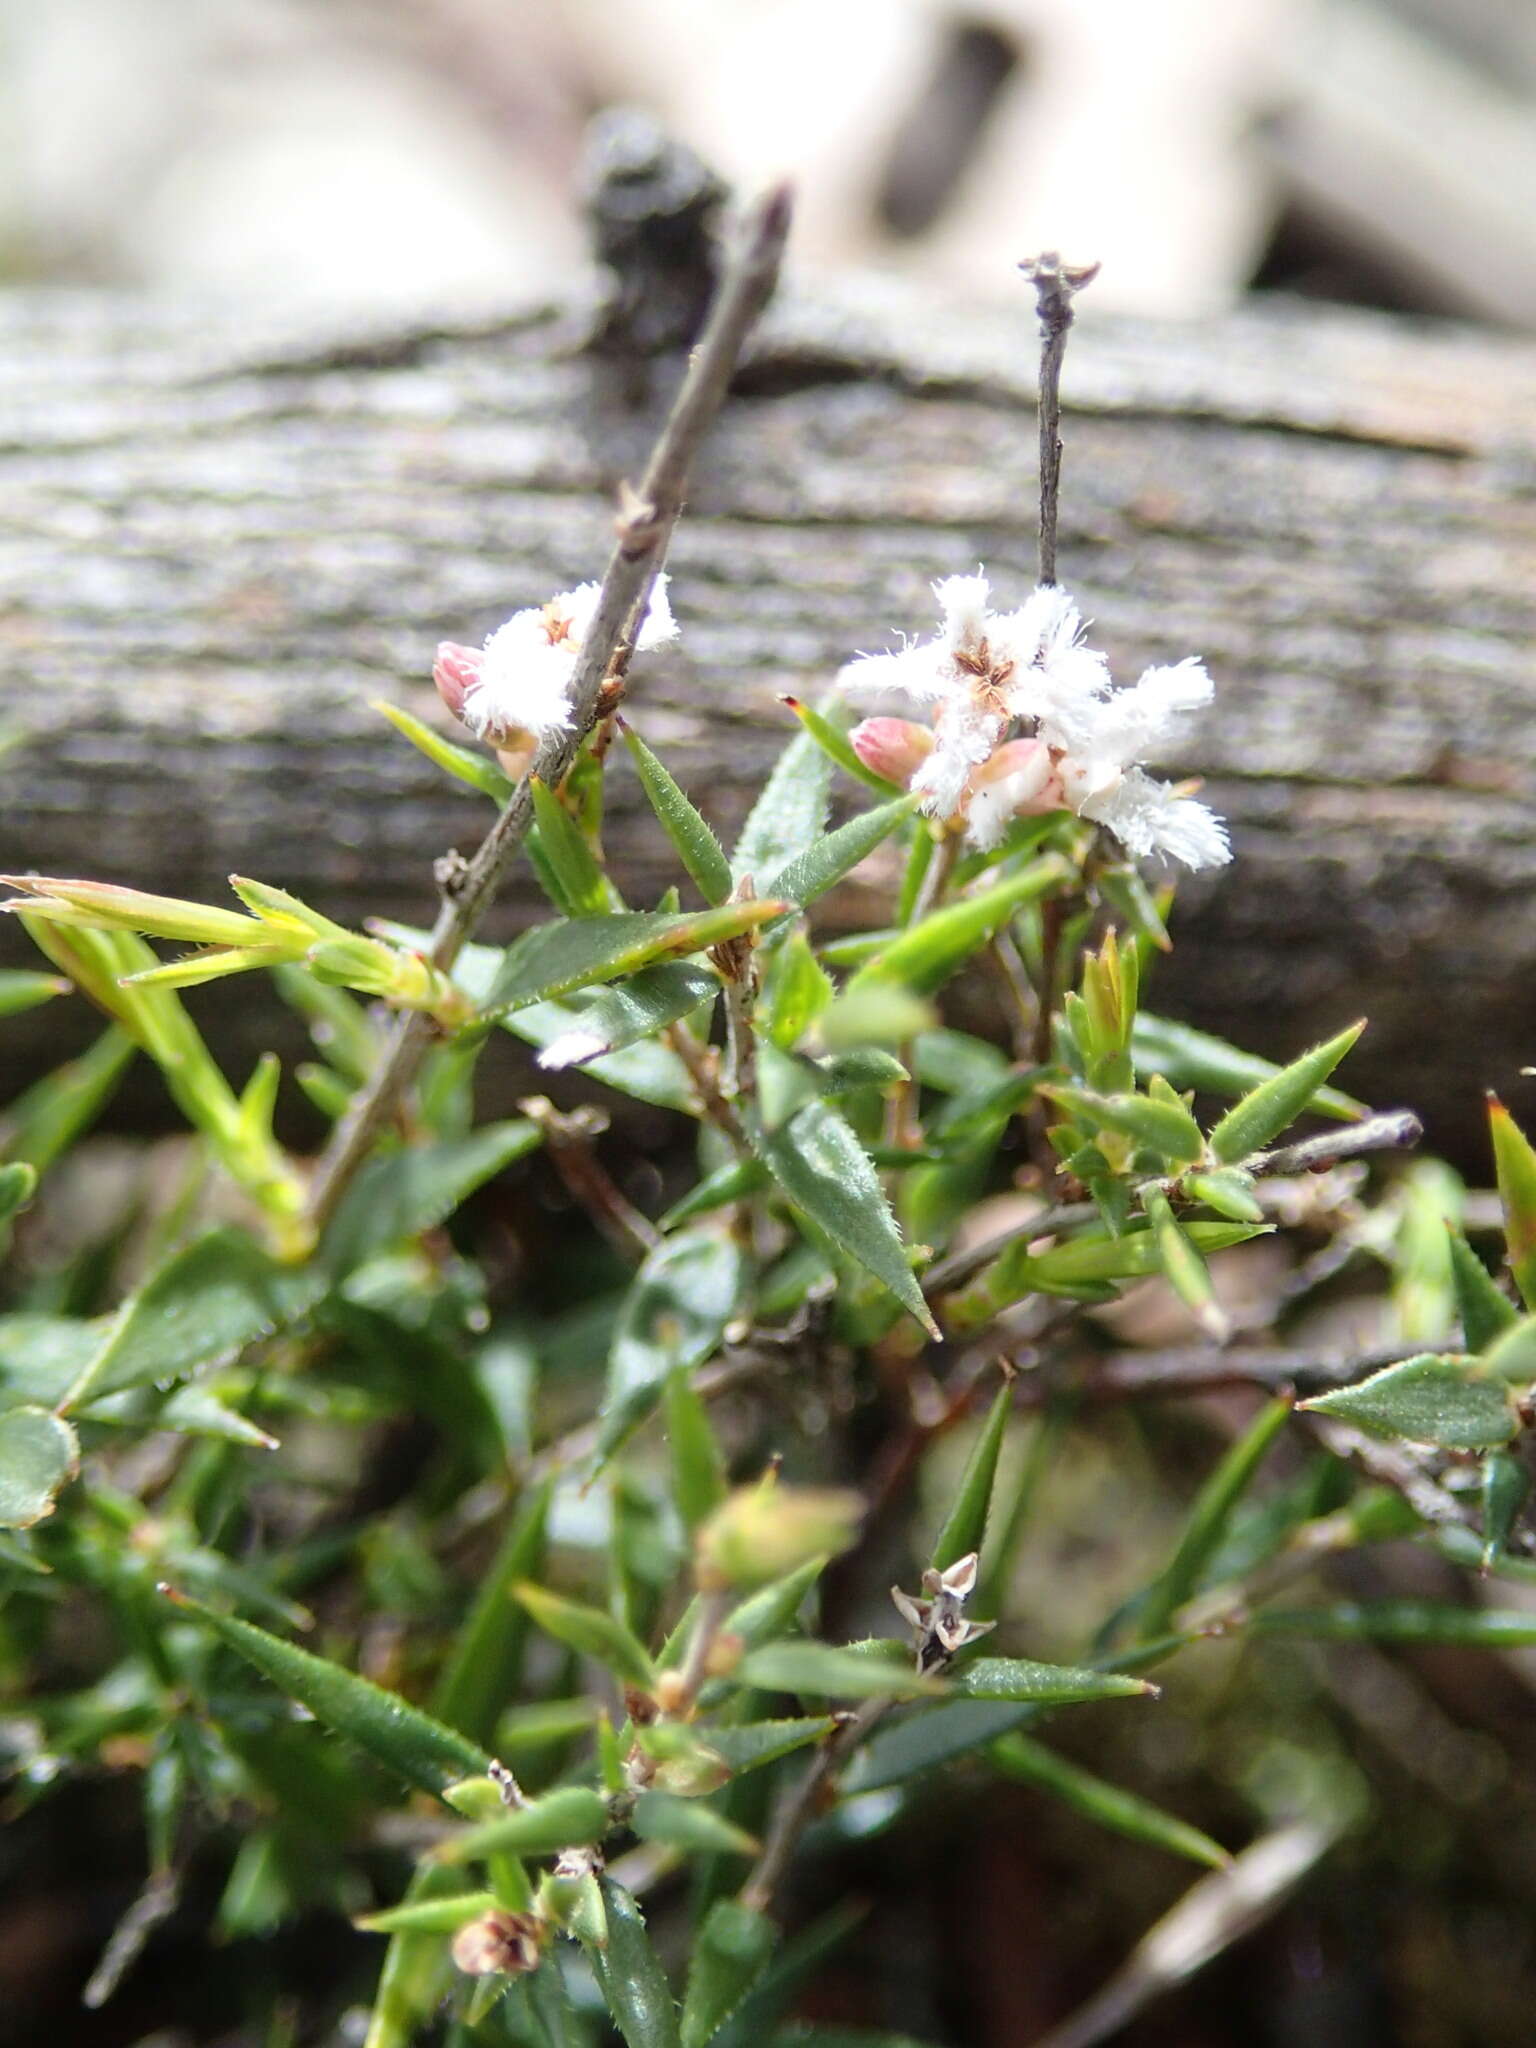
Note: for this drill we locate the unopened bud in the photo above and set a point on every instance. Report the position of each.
(455, 672)
(724, 1654)
(498, 1944)
(892, 747)
(671, 1692)
(761, 1532)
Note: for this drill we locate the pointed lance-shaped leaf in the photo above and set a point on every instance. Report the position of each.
(485, 1665)
(698, 1465)
(22, 989)
(1019, 1757)
(811, 873)
(572, 953)
(923, 957)
(632, 1981)
(591, 1632)
(692, 839)
(1209, 1519)
(583, 888)
(1166, 1127)
(836, 745)
(1486, 1312)
(828, 1672)
(639, 1008)
(459, 762)
(1194, 1059)
(1021, 1678)
(1260, 1117)
(1506, 1489)
(1446, 1399)
(566, 1818)
(729, 1956)
(406, 1741)
(1182, 1266)
(790, 813)
(689, 1824)
(1515, 1165)
(428, 1916)
(1403, 1621)
(825, 1171)
(966, 1523)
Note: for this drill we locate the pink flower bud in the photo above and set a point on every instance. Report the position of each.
(892, 747)
(1026, 766)
(455, 672)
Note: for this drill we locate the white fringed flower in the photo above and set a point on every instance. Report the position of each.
(523, 682)
(985, 672)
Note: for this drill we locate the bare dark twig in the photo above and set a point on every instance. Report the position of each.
(646, 519)
(1393, 1130)
(1056, 284)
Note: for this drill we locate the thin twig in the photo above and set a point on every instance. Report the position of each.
(801, 1804)
(1056, 283)
(646, 519)
(1393, 1130)
(952, 1272)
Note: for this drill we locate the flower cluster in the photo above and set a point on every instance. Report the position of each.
(986, 674)
(516, 690)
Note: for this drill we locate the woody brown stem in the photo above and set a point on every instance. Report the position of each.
(647, 517)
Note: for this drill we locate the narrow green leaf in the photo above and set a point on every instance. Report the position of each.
(732, 1182)
(966, 1523)
(791, 812)
(923, 957)
(1055, 1685)
(1485, 1310)
(797, 991)
(1208, 1520)
(1182, 1266)
(632, 1981)
(1402, 1621)
(1194, 1059)
(416, 1969)
(698, 1465)
(822, 864)
(459, 762)
(39, 1455)
(400, 1194)
(1166, 1127)
(21, 989)
(584, 887)
(208, 1301)
(1229, 1191)
(690, 1824)
(729, 1956)
(198, 1411)
(1086, 1262)
(1439, 1398)
(838, 748)
(1515, 1165)
(795, 1966)
(645, 1070)
(591, 1632)
(572, 953)
(674, 1315)
(642, 1006)
(798, 1666)
(1275, 1104)
(44, 1121)
(824, 1170)
(919, 1742)
(563, 1819)
(1506, 1489)
(692, 840)
(428, 1916)
(1511, 1356)
(751, 1744)
(404, 1739)
(483, 1672)
(1028, 1762)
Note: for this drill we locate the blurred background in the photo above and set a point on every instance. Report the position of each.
(384, 152)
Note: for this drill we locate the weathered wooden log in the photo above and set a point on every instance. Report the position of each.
(224, 533)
